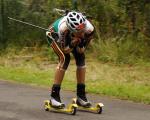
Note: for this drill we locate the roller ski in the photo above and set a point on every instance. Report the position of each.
(83, 103)
(87, 106)
(71, 109)
(55, 103)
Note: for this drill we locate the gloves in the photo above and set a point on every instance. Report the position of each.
(75, 42)
(80, 49)
(67, 50)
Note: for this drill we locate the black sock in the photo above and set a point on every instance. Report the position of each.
(55, 92)
(81, 91)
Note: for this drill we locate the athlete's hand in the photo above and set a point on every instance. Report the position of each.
(67, 50)
(80, 49)
(75, 41)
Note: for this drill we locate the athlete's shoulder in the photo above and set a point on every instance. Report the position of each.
(62, 25)
(89, 27)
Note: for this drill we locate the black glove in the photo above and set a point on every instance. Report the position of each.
(82, 43)
(55, 35)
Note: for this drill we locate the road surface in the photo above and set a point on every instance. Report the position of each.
(23, 102)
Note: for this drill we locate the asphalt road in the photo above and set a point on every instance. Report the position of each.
(22, 102)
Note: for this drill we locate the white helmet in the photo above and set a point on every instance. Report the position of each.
(75, 21)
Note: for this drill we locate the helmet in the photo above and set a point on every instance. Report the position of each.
(75, 21)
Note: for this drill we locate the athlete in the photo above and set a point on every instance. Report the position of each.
(70, 34)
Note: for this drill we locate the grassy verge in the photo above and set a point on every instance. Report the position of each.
(124, 81)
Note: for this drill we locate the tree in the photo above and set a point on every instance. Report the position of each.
(3, 22)
(75, 4)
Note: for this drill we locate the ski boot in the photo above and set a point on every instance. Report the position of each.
(55, 103)
(98, 108)
(83, 103)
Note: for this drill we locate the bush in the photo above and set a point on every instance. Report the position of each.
(127, 51)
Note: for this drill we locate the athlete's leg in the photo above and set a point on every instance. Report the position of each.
(80, 74)
(64, 60)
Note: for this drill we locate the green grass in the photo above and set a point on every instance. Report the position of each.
(121, 81)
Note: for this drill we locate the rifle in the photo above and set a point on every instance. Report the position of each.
(26, 23)
(30, 24)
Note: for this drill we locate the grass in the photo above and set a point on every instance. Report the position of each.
(111, 78)
(122, 81)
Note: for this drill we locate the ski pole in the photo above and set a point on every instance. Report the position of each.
(26, 23)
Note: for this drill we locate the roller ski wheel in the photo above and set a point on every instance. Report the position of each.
(46, 105)
(98, 108)
(71, 109)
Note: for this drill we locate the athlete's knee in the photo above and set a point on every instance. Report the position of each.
(80, 61)
(81, 67)
(67, 61)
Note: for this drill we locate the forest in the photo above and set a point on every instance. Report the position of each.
(122, 27)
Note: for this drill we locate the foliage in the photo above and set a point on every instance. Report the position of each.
(125, 22)
(123, 81)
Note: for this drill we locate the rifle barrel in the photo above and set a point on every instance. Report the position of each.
(27, 23)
